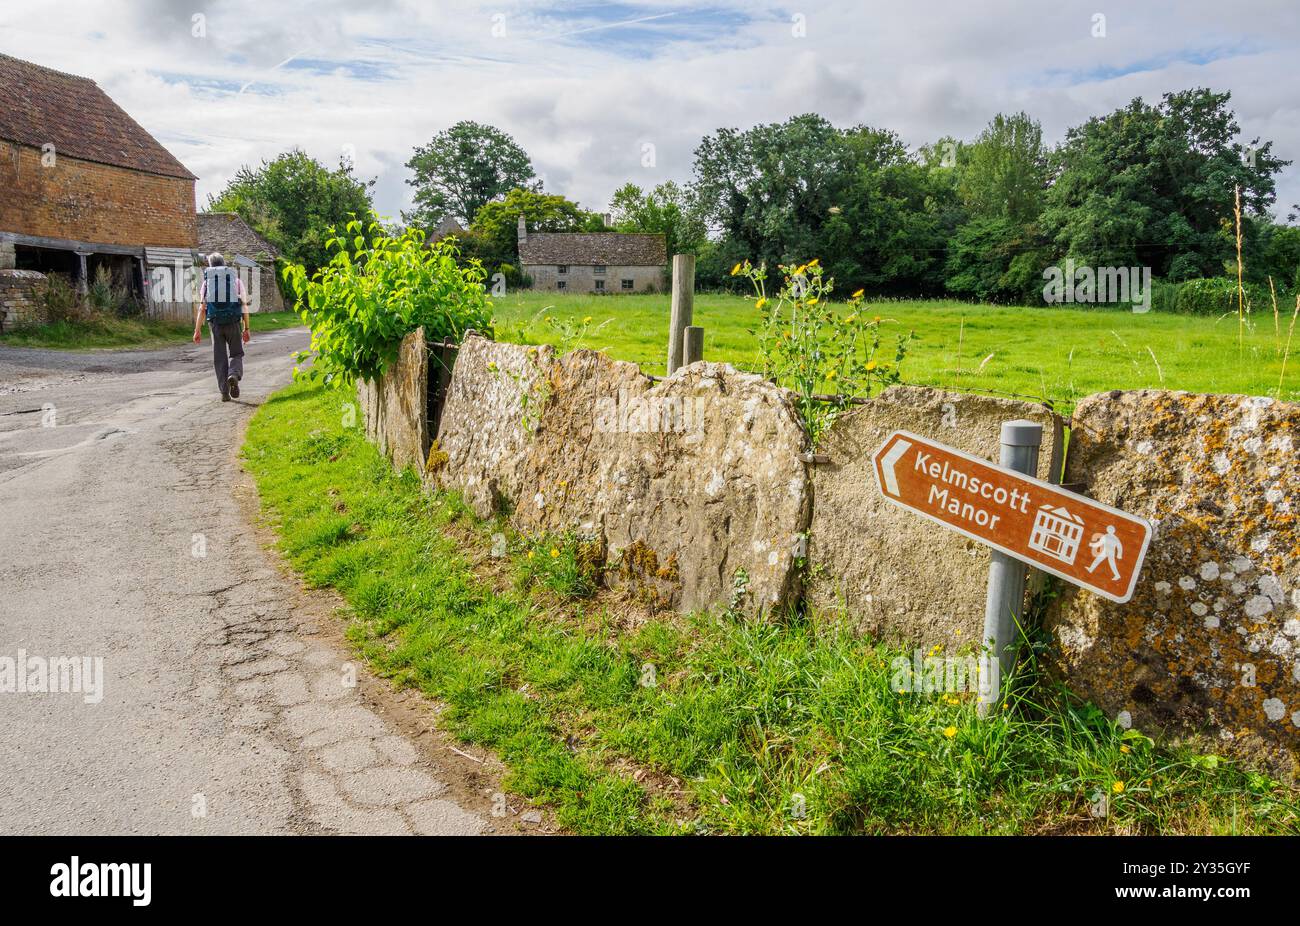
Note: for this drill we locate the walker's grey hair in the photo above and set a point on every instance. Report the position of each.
(216, 260)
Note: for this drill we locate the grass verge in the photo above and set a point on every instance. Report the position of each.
(109, 331)
(699, 723)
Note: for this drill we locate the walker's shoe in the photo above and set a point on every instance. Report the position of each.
(232, 385)
(225, 397)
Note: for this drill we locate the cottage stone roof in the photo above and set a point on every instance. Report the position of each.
(40, 106)
(582, 248)
(448, 226)
(231, 235)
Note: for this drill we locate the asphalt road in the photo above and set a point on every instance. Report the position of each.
(227, 702)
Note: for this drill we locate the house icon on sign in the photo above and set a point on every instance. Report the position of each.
(1057, 533)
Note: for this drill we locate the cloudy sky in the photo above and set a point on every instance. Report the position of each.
(599, 94)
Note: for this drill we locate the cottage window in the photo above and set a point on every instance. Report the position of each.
(600, 286)
(561, 284)
(599, 270)
(562, 268)
(627, 284)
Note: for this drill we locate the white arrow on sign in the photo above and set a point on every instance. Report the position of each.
(887, 466)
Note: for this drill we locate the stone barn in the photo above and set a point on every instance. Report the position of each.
(248, 252)
(82, 186)
(593, 262)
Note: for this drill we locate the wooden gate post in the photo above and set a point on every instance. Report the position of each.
(683, 307)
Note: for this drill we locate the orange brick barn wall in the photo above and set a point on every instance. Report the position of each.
(95, 203)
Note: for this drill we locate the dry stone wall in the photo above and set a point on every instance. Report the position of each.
(697, 486)
(693, 487)
(393, 406)
(18, 299)
(1210, 642)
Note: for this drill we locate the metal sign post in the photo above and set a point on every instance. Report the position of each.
(1004, 606)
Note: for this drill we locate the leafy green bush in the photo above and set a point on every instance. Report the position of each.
(57, 301)
(376, 289)
(1218, 296)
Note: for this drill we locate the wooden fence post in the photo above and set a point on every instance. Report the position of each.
(693, 350)
(683, 307)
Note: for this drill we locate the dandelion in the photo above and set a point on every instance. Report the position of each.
(812, 301)
(950, 732)
(871, 365)
(554, 553)
(760, 303)
(587, 320)
(1118, 787)
(531, 554)
(1124, 749)
(830, 375)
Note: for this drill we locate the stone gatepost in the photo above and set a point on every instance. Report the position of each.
(8, 256)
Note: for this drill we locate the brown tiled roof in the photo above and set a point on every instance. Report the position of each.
(231, 235)
(578, 248)
(40, 106)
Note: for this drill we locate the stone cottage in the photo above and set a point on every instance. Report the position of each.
(248, 252)
(593, 262)
(84, 185)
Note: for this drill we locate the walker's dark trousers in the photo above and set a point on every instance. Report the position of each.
(227, 351)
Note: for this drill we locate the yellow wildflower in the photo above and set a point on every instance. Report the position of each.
(530, 554)
(735, 270)
(760, 303)
(554, 552)
(851, 317)
(1124, 749)
(871, 364)
(1118, 787)
(813, 263)
(950, 732)
(858, 294)
(587, 320)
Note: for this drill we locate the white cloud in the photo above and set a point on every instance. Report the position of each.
(583, 91)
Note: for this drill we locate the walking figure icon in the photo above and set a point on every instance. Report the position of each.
(1107, 549)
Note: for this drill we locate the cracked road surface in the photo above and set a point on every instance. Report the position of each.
(228, 701)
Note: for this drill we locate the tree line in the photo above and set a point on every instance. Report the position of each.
(1147, 185)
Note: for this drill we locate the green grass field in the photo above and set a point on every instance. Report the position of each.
(111, 332)
(1055, 354)
(781, 727)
